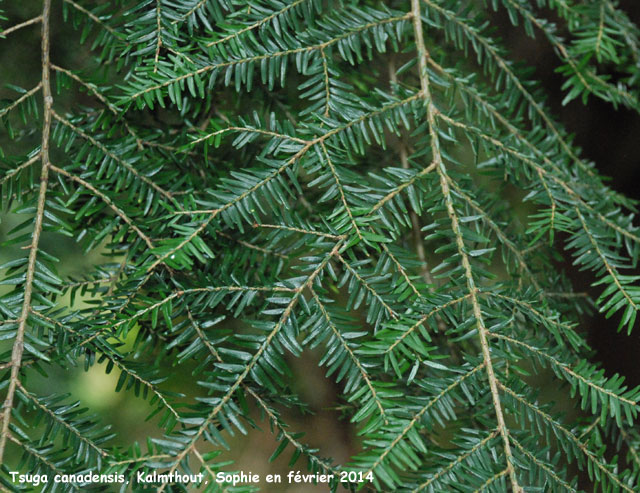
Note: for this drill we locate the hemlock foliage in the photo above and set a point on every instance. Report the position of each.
(271, 179)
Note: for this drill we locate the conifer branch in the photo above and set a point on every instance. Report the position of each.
(502, 236)
(121, 365)
(632, 450)
(504, 66)
(106, 200)
(565, 328)
(424, 318)
(572, 438)
(254, 360)
(216, 243)
(461, 458)
(404, 185)
(613, 272)
(542, 465)
(367, 286)
(416, 418)
(255, 25)
(261, 402)
(623, 25)
(327, 85)
(140, 459)
(300, 230)
(627, 97)
(61, 422)
(93, 17)
(248, 130)
(110, 106)
(444, 185)
(492, 480)
(34, 159)
(415, 221)
(158, 34)
(253, 247)
(288, 436)
(30, 450)
(402, 270)
(192, 11)
(258, 58)
(168, 195)
(181, 293)
(543, 172)
(22, 98)
(513, 129)
(565, 368)
(340, 190)
(352, 356)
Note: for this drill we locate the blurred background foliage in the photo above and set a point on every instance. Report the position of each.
(607, 136)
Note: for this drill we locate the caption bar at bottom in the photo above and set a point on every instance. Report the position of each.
(141, 477)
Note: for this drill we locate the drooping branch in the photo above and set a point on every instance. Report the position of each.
(444, 184)
(18, 344)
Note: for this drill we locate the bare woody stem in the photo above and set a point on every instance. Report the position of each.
(18, 345)
(15, 28)
(473, 290)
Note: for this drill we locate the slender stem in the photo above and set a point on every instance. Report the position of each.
(491, 480)
(368, 287)
(267, 56)
(34, 453)
(251, 246)
(60, 421)
(180, 293)
(327, 86)
(113, 109)
(107, 200)
(159, 40)
(17, 102)
(418, 416)
(404, 185)
(250, 27)
(300, 230)
(275, 420)
(343, 198)
(591, 456)
(21, 25)
(446, 192)
(251, 364)
(113, 156)
(566, 369)
(544, 466)
(190, 13)
(415, 225)
(250, 130)
(632, 450)
(423, 319)
(613, 272)
(93, 17)
(568, 187)
(356, 361)
(277, 172)
(456, 461)
(18, 345)
(16, 170)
